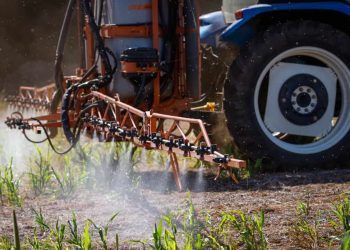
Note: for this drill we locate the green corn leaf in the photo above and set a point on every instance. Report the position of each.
(346, 241)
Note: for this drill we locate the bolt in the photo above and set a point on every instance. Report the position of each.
(308, 90)
(312, 105)
(313, 96)
(298, 109)
(301, 89)
(293, 103)
(306, 110)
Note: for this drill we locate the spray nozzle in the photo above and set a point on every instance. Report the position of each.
(222, 160)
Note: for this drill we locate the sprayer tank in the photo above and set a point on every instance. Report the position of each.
(126, 13)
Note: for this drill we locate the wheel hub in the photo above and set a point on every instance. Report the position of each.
(300, 99)
(303, 99)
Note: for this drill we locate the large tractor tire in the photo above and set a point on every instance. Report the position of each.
(288, 95)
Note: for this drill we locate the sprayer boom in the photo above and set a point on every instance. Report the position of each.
(111, 119)
(115, 120)
(32, 97)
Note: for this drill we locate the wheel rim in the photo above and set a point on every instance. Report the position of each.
(342, 126)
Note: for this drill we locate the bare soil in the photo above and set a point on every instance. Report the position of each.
(276, 193)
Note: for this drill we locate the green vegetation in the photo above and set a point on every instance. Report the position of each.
(188, 232)
(250, 228)
(9, 186)
(341, 223)
(183, 229)
(103, 232)
(342, 212)
(40, 172)
(305, 229)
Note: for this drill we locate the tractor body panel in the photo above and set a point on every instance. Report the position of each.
(212, 25)
(243, 29)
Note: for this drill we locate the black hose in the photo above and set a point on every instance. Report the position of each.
(77, 130)
(104, 54)
(32, 141)
(50, 141)
(97, 37)
(61, 44)
(65, 113)
(58, 75)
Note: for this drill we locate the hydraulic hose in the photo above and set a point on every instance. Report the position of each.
(104, 54)
(98, 39)
(61, 44)
(75, 134)
(65, 114)
(58, 72)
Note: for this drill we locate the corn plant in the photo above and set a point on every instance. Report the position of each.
(170, 233)
(165, 234)
(67, 181)
(103, 231)
(75, 238)
(342, 212)
(10, 186)
(191, 226)
(303, 209)
(58, 235)
(341, 222)
(40, 220)
(345, 243)
(304, 231)
(250, 228)
(192, 233)
(34, 241)
(86, 237)
(40, 172)
(6, 243)
(158, 237)
(215, 237)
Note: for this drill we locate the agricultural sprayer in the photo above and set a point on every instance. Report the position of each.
(285, 99)
(139, 74)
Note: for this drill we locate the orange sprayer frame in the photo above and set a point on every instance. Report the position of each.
(122, 112)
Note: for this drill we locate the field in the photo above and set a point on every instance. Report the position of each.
(117, 196)
(49, 193)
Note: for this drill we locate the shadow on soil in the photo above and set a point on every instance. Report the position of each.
(194, 181)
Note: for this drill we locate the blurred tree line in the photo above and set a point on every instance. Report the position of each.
(29, 31)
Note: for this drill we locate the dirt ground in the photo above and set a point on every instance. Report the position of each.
(276, 193)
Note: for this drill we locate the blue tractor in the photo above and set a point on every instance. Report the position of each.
(287, 94)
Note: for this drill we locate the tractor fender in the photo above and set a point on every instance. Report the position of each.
(243, 29)
(211, 26)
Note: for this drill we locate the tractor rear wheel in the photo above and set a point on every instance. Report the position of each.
(288, 95)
